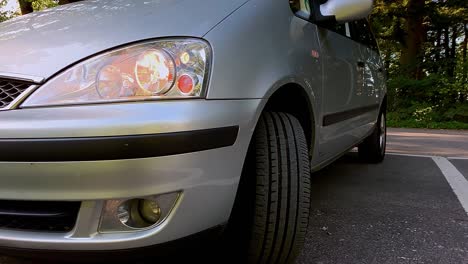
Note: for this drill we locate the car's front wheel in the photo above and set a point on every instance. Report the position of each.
(276, 187)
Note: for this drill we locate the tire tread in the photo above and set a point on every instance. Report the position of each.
(282, 189)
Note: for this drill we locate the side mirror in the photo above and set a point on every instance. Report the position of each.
(343, 10)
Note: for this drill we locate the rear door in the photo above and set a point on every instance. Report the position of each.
(370, 70)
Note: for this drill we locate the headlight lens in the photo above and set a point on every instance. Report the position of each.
(163, 69)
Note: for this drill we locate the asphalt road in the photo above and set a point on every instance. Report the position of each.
(401, 211)
(447, 143)
(408, 209)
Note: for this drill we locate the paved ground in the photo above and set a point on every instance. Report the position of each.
(462, 166)
(401, 211)
(406, 210)
(448, 143)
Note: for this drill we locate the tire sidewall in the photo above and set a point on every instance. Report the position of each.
(383, 146)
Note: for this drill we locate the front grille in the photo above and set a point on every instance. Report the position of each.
(38, 216)
(10, 90)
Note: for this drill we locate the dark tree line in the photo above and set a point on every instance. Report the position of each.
(424, 45)
(28, 6)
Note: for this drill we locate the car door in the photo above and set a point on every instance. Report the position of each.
(341, 90)
(370, 71)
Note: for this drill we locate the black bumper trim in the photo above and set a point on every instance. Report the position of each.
(115, 147)
(168, 251)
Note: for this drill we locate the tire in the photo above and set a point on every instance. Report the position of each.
(280, 199)
(372, 149)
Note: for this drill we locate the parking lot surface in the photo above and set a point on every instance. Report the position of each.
(412, 208)
(405, 210)
(400, 211)
(446, 143)
(462, 166)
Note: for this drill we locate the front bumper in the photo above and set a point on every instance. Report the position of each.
(208, 178)
(197, 246)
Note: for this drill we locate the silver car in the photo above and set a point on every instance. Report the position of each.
(126, 124)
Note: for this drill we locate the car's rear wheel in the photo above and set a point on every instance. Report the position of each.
(275, 185)
(372, 149)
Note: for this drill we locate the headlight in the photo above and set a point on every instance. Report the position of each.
(163, 69)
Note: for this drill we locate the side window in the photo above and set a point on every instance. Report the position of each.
(340, 29)
(373, 41)
(362, 33)
(300, 7)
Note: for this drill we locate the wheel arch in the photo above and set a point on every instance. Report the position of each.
(384, 103)
(294, 99)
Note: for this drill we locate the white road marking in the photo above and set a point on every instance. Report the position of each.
(424, 156)
(409, 155)
(455, 179)
(457, 158)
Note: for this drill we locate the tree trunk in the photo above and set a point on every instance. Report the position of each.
(464, 48)
(453, 53)
(411, 53)
(446, 50)
(437, 50)
(388, 55)
(446, 43)
(25, 7)
(64, 2)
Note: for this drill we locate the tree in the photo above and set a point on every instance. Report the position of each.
(26, 6)
(464, 52)
(411, 48)
(424, 46)
(64, 2)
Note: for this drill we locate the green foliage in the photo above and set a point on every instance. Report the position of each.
(394, 120)
(42, 4)
(425, 115)
(457, 113)
(434, 89)
(438, 95)
(423, 103)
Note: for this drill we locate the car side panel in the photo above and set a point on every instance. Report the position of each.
(374, 76)
(263, 46)
(260, 48)
(342, 92)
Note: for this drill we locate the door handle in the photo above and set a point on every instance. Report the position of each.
(361, 64)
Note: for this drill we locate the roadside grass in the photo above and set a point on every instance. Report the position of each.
(394, 121)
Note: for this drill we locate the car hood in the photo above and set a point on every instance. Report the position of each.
(42, 43)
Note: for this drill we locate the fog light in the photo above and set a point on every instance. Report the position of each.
(123, 213)
(150, 211)
(136, 214)
(139, 213)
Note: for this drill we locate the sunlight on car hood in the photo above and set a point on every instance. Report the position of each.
(43, 43)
